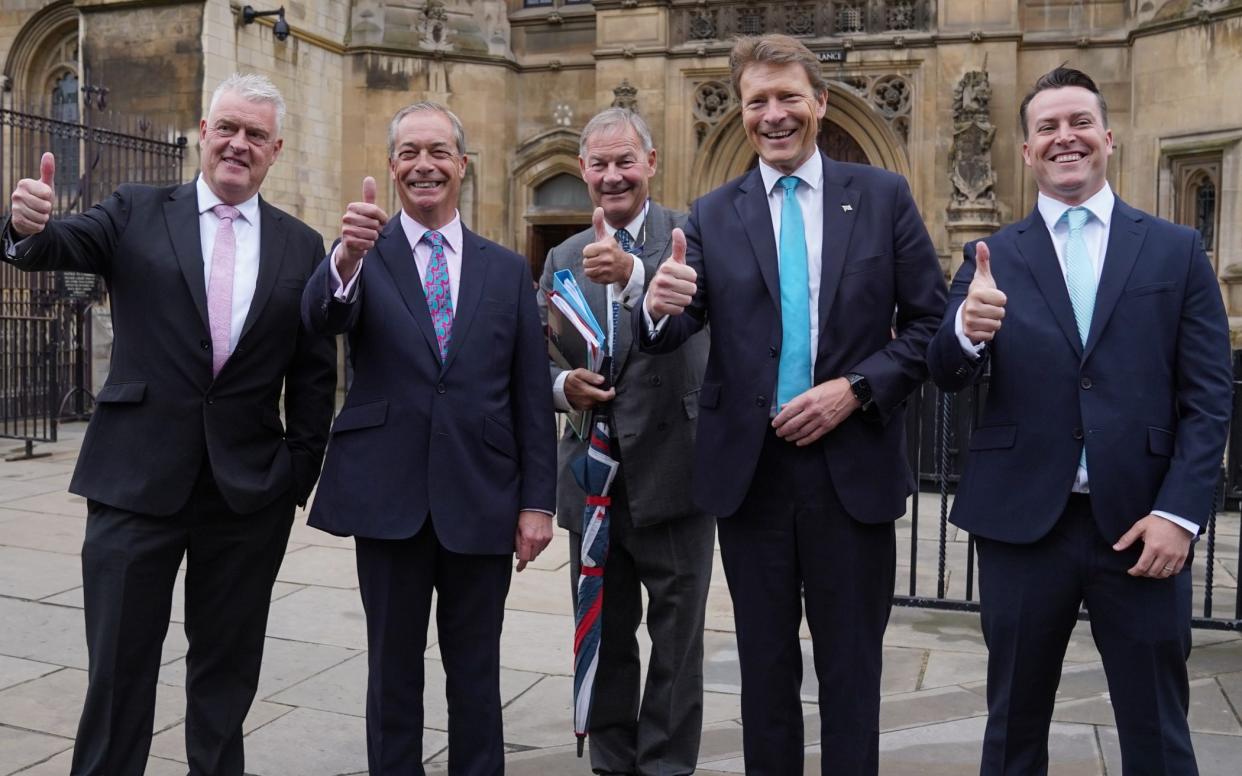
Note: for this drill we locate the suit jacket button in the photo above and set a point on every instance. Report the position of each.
(1078, 433)
(1085, 383)
(440, 388)
(772, 352)
(761, 401)
(655, 380)
(205, 344)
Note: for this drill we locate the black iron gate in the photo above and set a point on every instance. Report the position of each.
(941, 567)
(92, 158)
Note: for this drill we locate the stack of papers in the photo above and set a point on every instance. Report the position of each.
(575, 338)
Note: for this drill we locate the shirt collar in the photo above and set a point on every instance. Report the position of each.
(451, 231)
(810, 172)
(634, 227)
(207, 199)
(1099, 204)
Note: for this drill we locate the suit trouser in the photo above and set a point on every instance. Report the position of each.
(1030, 594)
(673, 561)
(792, 542)
(129, 567)
(396, 579)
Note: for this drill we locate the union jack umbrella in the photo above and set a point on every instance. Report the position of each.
(595, 472)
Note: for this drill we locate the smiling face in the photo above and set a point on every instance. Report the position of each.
(618, 173)
(427, 167)
(238, 145)
(1067, 146)
(781, 113)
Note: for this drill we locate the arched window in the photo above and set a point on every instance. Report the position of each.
(562, 192)
(1197, 197)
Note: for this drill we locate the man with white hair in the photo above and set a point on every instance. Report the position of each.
(186, 455)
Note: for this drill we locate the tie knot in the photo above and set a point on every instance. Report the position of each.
(789, 183)
(1077, 217)
(624, 240)
(226, 212)
(434, 238)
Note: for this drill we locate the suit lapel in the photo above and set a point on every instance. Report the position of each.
(469, 292)
(397, 256)
(658, 235)
(752, 208)
(272, 242)
(1036, 249)
(1125, 238)
(181, 217)
(838, 225)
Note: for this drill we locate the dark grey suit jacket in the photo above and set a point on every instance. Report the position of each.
(656, 408)
(161, 411)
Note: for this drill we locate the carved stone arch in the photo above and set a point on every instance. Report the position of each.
(537, 160)
(725, 152)
(34, 60)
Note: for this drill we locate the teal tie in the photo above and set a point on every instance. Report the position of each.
(794, 371)
(1080, 281)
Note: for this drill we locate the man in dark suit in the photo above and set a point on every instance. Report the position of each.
(442, 462)
(658, 538)
(185, 453)
(1099, 448)
(822, 288)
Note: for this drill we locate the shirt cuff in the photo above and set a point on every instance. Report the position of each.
(343, 293)
(1180, 521)
(968, 347)
(631, 291)
(558, 393)
(540, 511)
(653, 327)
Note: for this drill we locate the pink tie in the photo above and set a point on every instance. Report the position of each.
(220, 287)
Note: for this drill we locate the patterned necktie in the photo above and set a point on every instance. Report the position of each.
(1080, 281)
(439, 296)
(220, 287)
(627, 244)
(625, 241)
(794, 370)
(1079, 271)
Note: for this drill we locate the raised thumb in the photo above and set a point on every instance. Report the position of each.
(679, 247)
(368, 190)
(597, 220)
(47, 169)
(983, 263)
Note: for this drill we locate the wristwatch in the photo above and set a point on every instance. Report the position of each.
(861, 388)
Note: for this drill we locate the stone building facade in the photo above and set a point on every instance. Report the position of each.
(929, 88)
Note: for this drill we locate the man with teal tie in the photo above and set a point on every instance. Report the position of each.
(822, 289)
(1095, 459)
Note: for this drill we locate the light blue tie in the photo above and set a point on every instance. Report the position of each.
(1080, 281)
(794, 370)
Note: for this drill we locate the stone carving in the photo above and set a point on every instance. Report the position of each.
(625, 95)
(712, 100)
(433, 24)
(702, 25)
(726, 19)
(800, 20)
(970, 160)
(562, 114)
(891, 94)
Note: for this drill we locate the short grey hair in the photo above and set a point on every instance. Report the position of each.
(611, 120)
(459, 132)
(252, 87)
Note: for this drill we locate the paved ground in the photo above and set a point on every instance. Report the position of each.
(308, 721)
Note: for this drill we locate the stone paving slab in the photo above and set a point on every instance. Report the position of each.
(22, 748)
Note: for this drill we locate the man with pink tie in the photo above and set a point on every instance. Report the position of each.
(186, 455)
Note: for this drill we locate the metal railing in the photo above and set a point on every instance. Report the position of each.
(939, 426)
(93, 157)
(29, 394)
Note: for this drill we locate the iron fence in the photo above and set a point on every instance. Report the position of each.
(939, 426)
(28, 389)
(93, 157)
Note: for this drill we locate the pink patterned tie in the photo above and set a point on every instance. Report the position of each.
(436, 287)
(220, 287)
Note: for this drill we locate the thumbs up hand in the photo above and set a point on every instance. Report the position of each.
(984, 307)
(673, 286)
(603, 261)
(360, 228)
(32, 199)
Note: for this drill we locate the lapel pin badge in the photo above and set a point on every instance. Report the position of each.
(846, 207)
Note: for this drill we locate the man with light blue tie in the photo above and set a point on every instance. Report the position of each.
(822, 288)
(1099, 447)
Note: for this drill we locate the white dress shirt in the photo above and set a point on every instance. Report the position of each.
(1095, 235)
(414, 232)
(246, 257)
(626, 295)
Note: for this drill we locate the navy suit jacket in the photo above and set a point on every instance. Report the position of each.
(161, 411)
(1149, 395)
(880, 299)
(470, 441)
